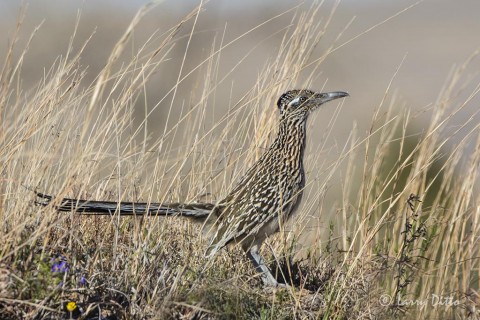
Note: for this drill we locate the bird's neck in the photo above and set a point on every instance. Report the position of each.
(291, 138)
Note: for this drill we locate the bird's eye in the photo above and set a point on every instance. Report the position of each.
(303, 99)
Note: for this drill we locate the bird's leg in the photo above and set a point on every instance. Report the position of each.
(257, 260)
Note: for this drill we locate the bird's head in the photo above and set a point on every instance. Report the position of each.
(302, 102)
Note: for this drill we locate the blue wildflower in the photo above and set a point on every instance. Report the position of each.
(61, 266)
(83, 281)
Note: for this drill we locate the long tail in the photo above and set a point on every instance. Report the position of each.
(198, 211)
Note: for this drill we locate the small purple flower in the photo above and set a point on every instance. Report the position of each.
(61, 266)
(83, 281)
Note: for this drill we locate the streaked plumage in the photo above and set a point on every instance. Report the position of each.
(265, 197)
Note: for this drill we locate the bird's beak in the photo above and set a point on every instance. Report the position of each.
(321, 98)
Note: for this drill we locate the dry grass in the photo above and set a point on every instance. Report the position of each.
(76, 139)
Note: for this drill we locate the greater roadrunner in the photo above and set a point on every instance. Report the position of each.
(264, 199)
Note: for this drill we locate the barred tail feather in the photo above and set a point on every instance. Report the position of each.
(86, 207)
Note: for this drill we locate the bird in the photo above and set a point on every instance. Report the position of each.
(264, 198)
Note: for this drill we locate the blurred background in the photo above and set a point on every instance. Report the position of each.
(433, 37)
(425, 41)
